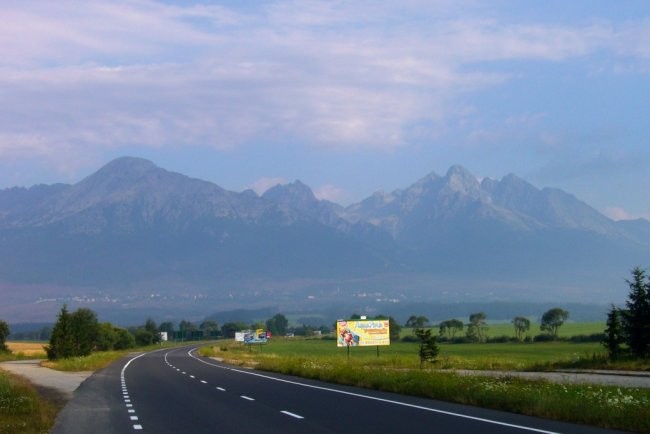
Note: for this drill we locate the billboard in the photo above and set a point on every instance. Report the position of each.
(258, 336)
(362, 333)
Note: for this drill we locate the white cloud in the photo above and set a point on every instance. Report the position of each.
(331, 193)
(330, 74)
(618, 213)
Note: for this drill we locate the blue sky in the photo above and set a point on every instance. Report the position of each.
(350, 97)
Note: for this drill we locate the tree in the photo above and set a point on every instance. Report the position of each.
(168, 327)
(124, 339)
(277, 325)
(428, 349)
(522, 325)
(614, 333)
(85, 329)
(636, 320)
(229, 329)
(209, 328)
(4, 332)
(151, 327)
(106, 337)
(477, 327)
(417, 321)
(553, 319)
(450, 327)
(186, 328)
(61, 342)
(143, 337)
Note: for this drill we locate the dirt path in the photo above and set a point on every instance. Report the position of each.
(65, 383)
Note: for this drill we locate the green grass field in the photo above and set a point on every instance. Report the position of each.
(514, 356)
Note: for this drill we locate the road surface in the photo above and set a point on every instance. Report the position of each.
(176, 391)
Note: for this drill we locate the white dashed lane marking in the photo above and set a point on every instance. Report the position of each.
(221, 389)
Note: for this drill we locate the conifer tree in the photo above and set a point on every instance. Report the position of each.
(636, 321)
(614, 337)
(61, 342)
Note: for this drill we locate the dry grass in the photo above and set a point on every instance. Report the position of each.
(27, 348)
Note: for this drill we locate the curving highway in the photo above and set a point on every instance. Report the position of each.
(176, 391)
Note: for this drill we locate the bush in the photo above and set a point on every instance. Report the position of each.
(502, 339)
(544, 337)
(594, 337)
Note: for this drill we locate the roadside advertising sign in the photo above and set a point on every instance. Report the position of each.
(362, 333)
(256, 337)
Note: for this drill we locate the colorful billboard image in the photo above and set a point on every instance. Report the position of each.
(362, 333)
(257, 337)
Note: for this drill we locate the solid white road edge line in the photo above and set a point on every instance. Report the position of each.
(297, 416)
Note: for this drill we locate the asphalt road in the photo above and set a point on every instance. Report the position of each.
(175, 391)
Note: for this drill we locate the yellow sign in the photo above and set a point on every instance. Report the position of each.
(363, 333)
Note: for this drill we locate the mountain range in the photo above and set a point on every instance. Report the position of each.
(133, 235)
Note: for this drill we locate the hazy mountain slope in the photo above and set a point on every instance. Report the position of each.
(455, 225)
(132, 225)
(132, 221)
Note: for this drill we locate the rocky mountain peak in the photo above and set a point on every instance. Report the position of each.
(292, 193)
(460, 180)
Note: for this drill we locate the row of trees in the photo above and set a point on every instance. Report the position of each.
(477, 326)
(628, 330)
(78, 333)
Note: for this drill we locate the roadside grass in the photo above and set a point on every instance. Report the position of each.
(396, 370)
(92, 362)
(100, 359)
(22, 409)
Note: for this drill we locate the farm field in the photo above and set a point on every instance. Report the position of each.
(27, 348)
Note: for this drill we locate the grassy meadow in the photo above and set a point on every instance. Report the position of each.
(507, 356)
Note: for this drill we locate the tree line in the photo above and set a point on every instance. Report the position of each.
(475, 330)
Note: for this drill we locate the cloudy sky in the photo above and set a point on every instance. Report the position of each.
(350, 97)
